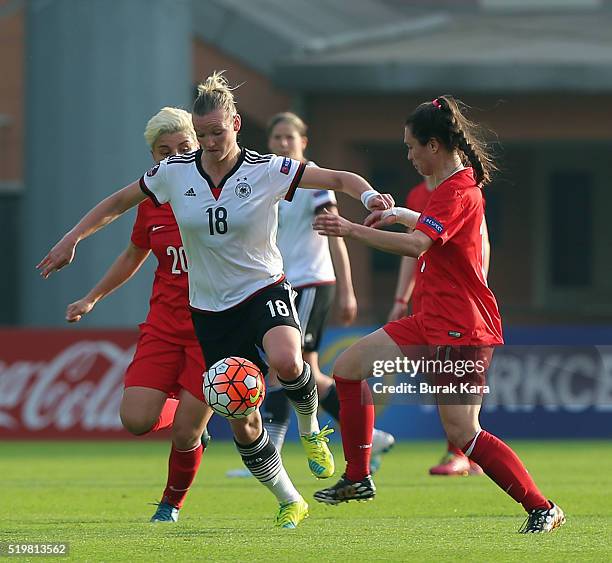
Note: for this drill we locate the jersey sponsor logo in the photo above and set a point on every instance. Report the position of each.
(454, 334)
(157, 227)
(243, 190)
(286, 166)
(152, 171)
(190, 192)
(431, 222)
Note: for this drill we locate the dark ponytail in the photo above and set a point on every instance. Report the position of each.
(444, 119)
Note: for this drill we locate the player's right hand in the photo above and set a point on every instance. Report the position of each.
(59, 256)
(76, 310)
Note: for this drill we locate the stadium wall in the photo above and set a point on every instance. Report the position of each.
(67, 384)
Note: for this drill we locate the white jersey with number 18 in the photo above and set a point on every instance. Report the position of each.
(229, 230)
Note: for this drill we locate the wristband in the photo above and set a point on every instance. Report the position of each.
(389, 213)
(367, 196)
(406, 217)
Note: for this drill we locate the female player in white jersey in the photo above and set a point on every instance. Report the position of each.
(225, 200)
(168, 361)
(319, 269)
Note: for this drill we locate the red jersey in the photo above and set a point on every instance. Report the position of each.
(456, 303)
(416, 200)
(418, 197)
(169, 317)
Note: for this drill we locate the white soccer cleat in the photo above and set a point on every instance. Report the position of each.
(382, 442)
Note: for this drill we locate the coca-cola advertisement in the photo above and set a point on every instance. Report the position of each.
(63, 383)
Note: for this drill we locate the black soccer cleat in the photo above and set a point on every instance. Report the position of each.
(345, 490)
(543, 520)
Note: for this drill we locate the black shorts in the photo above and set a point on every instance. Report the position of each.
(239, 331)
(314, 304)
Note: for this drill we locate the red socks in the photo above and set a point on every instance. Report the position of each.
(356, 425)
(452, 449)
(166, 418)
(504, 467)
(182, 469)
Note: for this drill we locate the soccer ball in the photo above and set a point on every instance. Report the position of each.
(234, 387)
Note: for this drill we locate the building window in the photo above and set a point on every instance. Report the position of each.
(570, 198)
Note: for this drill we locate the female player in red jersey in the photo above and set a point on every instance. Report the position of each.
(458, 321)
(168, 361)
(225, 199)
(408, 289)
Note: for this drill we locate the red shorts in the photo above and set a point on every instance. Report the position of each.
(448, 364)
(407, 331)
(163, 365)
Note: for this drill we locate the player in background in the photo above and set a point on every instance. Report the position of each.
(225, 201)
(319, 270)
(168, 360)
(458, 319)
(315, 266)
(454, 461)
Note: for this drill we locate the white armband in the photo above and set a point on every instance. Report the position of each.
(367, 196)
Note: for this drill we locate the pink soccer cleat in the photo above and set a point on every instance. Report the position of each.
(452, 464)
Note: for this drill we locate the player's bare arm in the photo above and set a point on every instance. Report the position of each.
(347, 182)
(407, 244)
(101, 215)
(124, 267)
(346, 300)
(486, 248)
(404, 288)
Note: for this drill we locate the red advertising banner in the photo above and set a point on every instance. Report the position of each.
(62, 383)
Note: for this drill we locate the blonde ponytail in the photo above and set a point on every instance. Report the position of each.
(213, 94)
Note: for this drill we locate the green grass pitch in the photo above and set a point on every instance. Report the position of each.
(95, 495)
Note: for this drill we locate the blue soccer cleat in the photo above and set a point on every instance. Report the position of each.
(165, 513)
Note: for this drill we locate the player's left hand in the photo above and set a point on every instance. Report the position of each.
(398, 311)
(332, 225)
(378, 219)
(381, 201)
(59, 256)
(347, 305)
